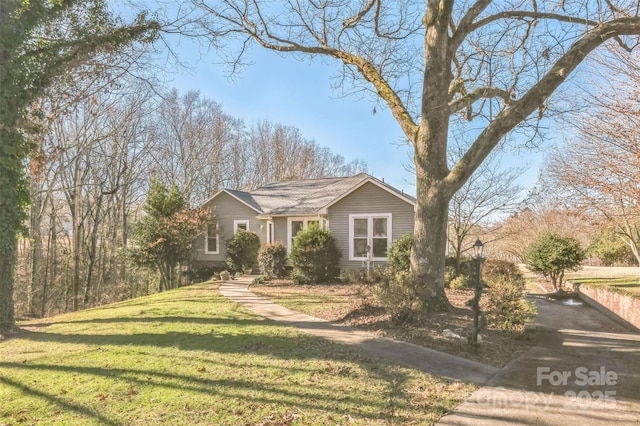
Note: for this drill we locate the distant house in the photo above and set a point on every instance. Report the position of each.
(363, 213)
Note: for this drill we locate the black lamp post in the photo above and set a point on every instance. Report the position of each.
(478, 250)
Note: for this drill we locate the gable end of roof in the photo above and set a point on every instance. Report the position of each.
(237, 195)
(370, 179)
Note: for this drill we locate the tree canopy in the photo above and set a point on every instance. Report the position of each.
(597, 168)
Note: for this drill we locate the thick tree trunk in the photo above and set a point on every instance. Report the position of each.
(428, 253)
(430, 158)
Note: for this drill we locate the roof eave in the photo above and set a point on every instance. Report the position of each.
(268, 216)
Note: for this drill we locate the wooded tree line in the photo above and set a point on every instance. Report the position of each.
(100, 144)
(40, 43)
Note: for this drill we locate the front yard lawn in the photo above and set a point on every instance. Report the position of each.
(190, 356)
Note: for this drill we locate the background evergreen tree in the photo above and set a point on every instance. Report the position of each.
(163, 238)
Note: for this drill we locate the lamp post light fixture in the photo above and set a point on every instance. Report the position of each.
(478, 251)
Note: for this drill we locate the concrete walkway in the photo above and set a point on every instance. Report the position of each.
(583, 370)
(411, 355)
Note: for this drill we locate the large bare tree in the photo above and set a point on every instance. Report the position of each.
(494, 63)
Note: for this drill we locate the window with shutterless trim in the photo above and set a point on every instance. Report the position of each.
(369, 236)
(211, 239)
(240, 224)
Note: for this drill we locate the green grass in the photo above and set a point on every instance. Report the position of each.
(188, 357)
(623, 285)
(623, 280)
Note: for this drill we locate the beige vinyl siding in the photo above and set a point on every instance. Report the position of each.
(368, 199)
(226, 210)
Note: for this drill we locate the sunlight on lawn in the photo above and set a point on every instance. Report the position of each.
(191, 357)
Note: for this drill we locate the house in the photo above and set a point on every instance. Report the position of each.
(363, 213)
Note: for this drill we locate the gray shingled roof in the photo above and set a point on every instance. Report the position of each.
(304, 197)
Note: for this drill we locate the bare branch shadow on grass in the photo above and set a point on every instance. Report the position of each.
(318, 397)
(149, 319)
(221, 387)
(60, 402)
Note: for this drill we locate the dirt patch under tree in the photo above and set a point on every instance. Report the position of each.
(355, 305)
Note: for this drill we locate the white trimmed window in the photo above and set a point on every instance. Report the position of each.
(297, 224)
(211, 239)
(240, 224)
(369, 236)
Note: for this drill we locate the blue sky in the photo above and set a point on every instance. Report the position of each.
(284, 90)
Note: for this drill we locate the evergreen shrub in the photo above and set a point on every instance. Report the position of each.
(314, 256)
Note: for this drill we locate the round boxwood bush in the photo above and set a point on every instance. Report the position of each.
(242, 251)
(314, 256)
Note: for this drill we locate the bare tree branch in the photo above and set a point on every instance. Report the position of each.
(521, 108)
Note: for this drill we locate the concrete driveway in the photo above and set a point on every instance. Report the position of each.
(583, 370)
